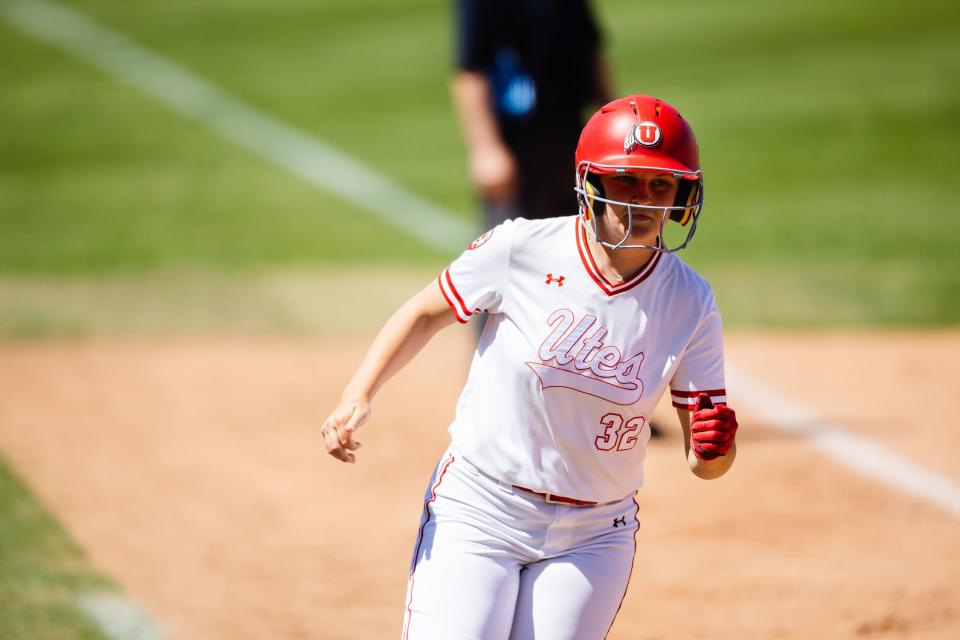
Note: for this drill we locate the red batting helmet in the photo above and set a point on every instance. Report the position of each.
(636, 134)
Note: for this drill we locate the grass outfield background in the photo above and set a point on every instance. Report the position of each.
(827, 131)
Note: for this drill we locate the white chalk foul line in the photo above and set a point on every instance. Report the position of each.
(118, 617)
(193, 97)
(863, 455)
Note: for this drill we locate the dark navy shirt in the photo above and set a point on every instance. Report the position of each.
(539, 53)
(540, 56)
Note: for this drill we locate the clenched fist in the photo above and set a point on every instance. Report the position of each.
(712, 429)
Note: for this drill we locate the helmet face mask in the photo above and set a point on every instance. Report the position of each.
(639, 134)
(685, 210)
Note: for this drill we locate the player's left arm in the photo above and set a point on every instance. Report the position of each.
(709, 438)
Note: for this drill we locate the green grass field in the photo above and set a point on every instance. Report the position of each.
(42, 572)
(826, 132)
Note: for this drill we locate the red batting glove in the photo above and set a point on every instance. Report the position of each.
(712, 429)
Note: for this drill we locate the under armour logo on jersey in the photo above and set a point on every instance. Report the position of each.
(559, 280)
(620, 522)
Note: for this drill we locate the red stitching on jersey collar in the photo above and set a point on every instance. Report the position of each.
(594, 272)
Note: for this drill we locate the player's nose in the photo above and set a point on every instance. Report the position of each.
(641, 194)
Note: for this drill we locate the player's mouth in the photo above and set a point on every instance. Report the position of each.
(639, 217)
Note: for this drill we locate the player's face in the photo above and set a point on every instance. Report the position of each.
(647, 188)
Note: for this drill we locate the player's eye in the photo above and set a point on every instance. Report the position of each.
(660, 184)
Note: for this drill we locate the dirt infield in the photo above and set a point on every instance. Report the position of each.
(192, 472)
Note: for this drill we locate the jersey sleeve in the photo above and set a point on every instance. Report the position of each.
(701, 366)
(475, 282)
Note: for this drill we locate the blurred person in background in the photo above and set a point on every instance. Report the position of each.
(526, 72)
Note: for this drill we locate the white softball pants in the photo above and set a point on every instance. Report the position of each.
(492, 562)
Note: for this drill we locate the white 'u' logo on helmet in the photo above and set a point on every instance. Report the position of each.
(644, 133)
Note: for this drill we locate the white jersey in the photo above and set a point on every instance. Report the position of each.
(570, 367)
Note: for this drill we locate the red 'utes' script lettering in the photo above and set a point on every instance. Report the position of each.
(570, 358)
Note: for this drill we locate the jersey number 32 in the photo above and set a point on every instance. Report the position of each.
(617, 434)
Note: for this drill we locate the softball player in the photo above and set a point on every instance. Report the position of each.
(529, 521)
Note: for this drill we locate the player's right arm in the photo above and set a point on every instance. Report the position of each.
(401, 338)
(474, 281)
